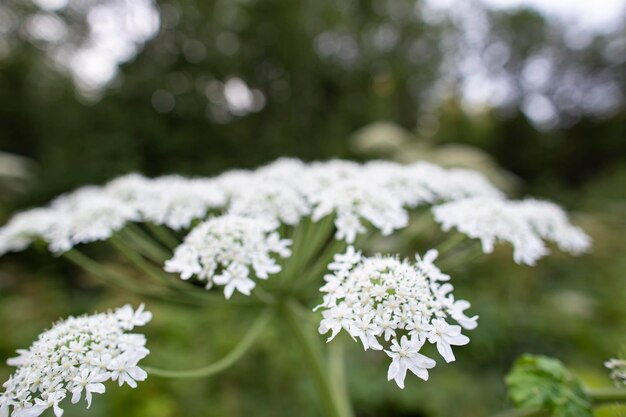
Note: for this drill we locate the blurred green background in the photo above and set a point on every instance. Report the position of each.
(91, 89)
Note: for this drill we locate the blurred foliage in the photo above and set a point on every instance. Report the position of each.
(386, 140)
(542, 382)
(315, 73)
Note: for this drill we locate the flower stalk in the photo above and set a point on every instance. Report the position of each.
(333, 404)
(601, 396)
(227, 361)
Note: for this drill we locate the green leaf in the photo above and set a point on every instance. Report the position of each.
(542, 382)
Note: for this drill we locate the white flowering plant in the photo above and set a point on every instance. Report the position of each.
(289, 239)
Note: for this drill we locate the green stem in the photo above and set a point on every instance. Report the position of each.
(299, 240)
(450, 243)
(322, 232)
(312, 356)
(606, 395)
(120, 281)
(164, 235)
(466, 255)
(419, 224)
(237, 353)
(321, 263)
(170, 281)
(337, 372)
(140, 262)
(144, 243)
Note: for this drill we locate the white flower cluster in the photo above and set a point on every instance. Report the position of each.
(75, 358)
(94, 213)
(618, 370)
(353, 200)
(523, 224)
(382, 300)
(377, 194)
(225, 250)
(172, 200)
(271, 200)
(86, 215)
(24, 228)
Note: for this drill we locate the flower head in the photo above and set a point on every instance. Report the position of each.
(382, 301)
(521, 223)
(75, 358)
(175, 201)
(25, 227)
(618, 370)
(492, 220)
(86, 215)
(272, 200)
(226, 250)
(356, 200)
(551, 223)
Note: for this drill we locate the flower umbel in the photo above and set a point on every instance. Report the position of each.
(235, 226)
(383, 300)
(523, 224)
(226, 250)
(75, 357)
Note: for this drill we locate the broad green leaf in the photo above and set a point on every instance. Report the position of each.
(542, 382)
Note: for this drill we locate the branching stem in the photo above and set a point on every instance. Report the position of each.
(332, 404)
(227, 361)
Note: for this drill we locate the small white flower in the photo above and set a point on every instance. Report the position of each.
(47, 400)
(74, 357)
(130, 318)
(457, 312)
(90, 381)
(235, 277)
(446, 336)
(124, 369)
(427, 267)
(345, 261)
(365, 328)
(405, 356)
(336, 319)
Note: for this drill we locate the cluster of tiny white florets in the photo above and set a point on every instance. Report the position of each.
(24, 228)
(618, 370)
(86, 215)
(226, 250)
(172, 200)
(382, 301)
(270, 200)
(551, 223)
(74, 359)
(523, 224)
(353, 200)
(376, 194)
